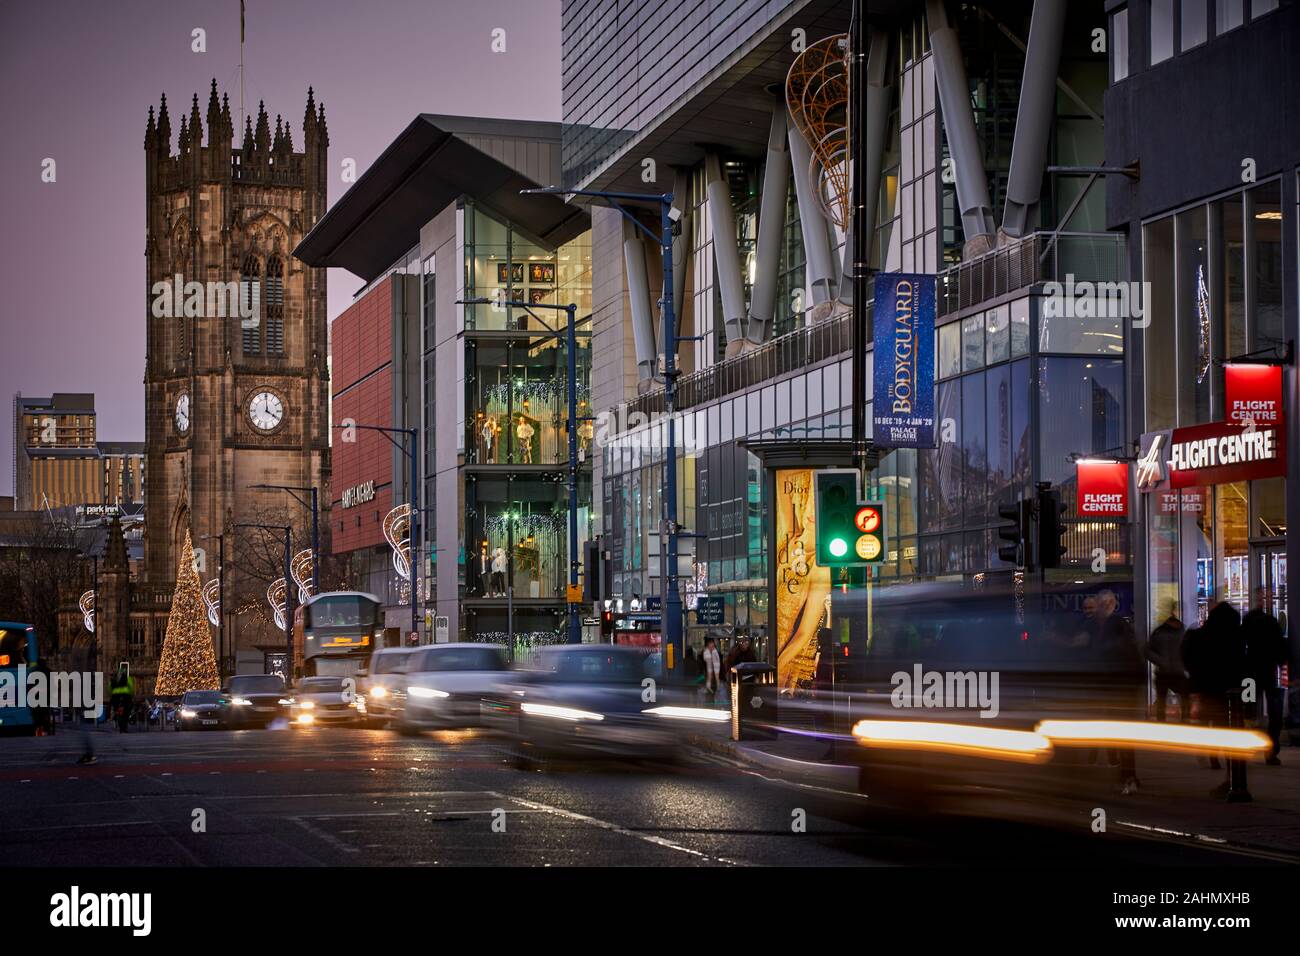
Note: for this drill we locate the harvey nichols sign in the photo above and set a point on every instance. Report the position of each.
(358, 494)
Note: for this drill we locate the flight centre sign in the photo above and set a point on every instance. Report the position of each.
(903, 361)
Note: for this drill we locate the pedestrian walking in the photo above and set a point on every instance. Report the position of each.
(122, 696)
(712, 662)
(79, 659)
(1266, 653)
(1117, 648)
(1215, 657)
(1165, 653)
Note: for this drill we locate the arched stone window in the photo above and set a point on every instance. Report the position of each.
(274, 310)
(250, 298)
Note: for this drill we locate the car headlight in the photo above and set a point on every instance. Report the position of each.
(690, 713)
(563, 713)
(305, 719)
(426, 692)
(285, 701)
(378, 692)
(241, 701)
(186, 712)
(307, 705)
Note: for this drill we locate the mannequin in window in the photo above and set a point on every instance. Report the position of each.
(479, 569)
(524, 432)
(489, 432)
(499, 572)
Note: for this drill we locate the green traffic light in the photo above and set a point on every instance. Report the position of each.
(839, 547)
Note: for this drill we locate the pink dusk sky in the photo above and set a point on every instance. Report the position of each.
(76, 80)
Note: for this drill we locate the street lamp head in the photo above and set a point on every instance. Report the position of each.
(674, 214)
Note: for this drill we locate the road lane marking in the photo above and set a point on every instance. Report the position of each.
(329, 838)
(611, 827)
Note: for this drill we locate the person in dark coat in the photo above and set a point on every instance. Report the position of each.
(1115, 646)
(1266, 652)
(1215, 657)
(1165, 652)
(742, 652)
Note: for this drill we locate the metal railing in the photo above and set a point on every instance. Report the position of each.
(803, 348)
(1040, 257)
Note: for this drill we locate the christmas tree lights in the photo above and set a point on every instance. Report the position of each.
(188, 662)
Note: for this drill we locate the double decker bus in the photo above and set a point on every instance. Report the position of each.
(334, 633)
(17, 649)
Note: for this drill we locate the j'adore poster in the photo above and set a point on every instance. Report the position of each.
(802, 587)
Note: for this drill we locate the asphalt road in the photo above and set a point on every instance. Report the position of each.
(341, 796)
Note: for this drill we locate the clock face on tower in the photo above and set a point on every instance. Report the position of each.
(265, 411)
(183, 413)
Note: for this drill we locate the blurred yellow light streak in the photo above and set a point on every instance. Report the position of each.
(1148, 735)
(965, 739)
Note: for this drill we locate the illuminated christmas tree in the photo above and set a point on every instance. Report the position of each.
(188, 662)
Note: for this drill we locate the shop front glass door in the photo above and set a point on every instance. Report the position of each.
(1270, 574)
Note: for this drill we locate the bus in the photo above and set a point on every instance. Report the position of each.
(334, 633)
(17, 649)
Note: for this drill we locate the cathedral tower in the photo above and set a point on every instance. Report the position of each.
(230, 401)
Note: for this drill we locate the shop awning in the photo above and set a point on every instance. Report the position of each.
(431, 163)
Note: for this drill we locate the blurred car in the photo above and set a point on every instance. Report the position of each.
(585, 700)
(446, 684)
(323, 700)
(377, 700)
(256, 700)
(203, 708)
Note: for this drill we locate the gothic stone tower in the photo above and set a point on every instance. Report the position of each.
(229, 406)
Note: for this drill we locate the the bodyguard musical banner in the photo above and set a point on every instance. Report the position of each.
(903, 368)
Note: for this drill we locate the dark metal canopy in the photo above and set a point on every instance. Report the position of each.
(430, 164)
(728, 109)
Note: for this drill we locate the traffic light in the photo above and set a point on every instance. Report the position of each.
(1051, 530)
(837, 506)
(606, 623)
(1019, 534)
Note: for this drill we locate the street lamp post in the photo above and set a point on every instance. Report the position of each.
(221, 600)
(571, 340)
(288, 591)
(294, 490)
(669, 216)
(413, 454)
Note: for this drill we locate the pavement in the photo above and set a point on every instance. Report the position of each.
(1180, 799)
(346, 796)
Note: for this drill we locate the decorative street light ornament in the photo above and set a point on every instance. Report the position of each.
(87, 604)
(817, 92)
(211, 594)
(1203, 319)
(276, 596)
(397, 532)
(301, 569)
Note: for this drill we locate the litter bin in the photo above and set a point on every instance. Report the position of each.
(752, 702)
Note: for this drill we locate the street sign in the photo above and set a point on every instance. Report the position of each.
(869, 520)
(710, 610)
